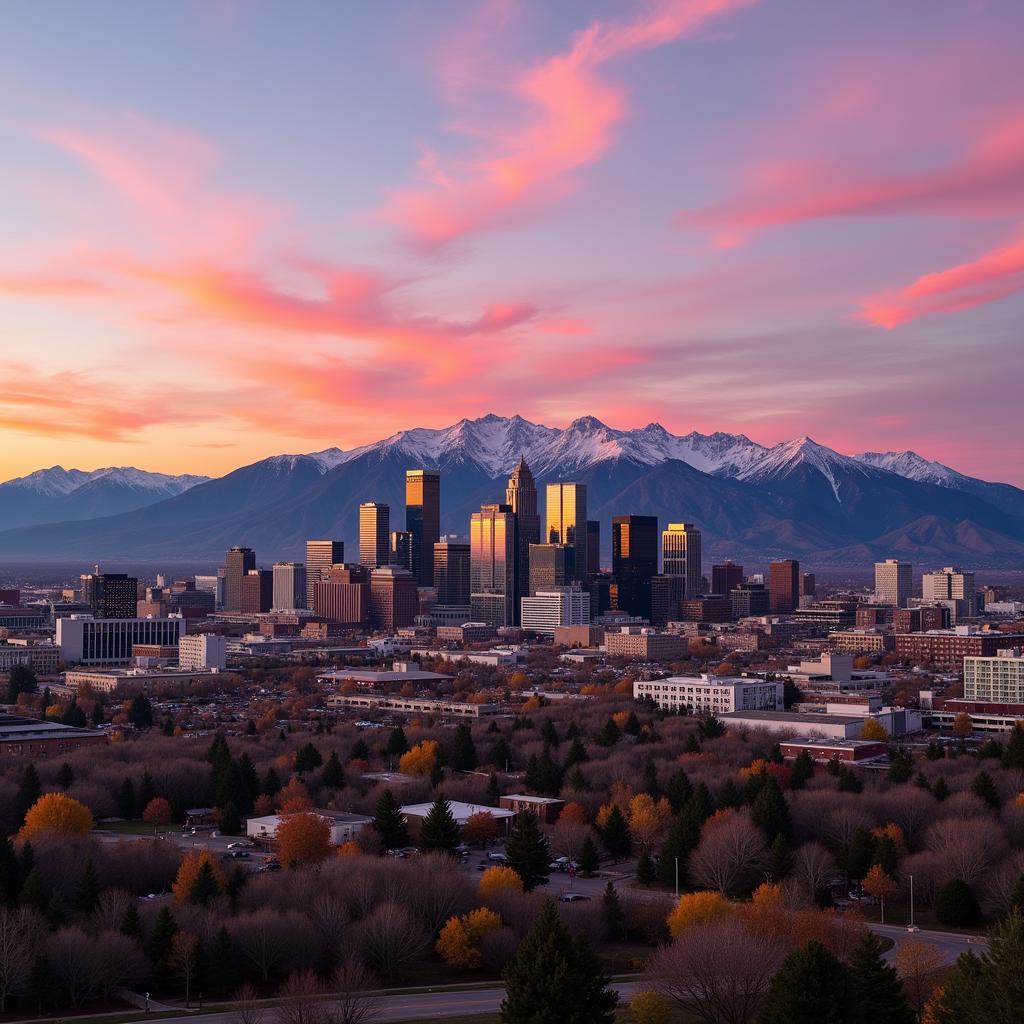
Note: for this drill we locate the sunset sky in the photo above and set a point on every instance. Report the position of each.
(235, 228)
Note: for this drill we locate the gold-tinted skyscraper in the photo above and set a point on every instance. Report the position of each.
(423, 520)
(681, 555)
(492, 565)
(374, 534)
(567, 522)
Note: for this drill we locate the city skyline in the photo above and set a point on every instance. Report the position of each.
(808, 218)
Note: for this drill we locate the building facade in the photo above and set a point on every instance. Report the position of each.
(894, 582)
(493, 563)
(100, 641)
(451, 573)
(394, 597)
(567, 522)
(710, 694)
(681, 555)
(290, 585)
(561, 606)
(320, 556)
(784, 586)
(374, 534)
(422, 521)
(238, 562)
(200, 651)
(998, 679)
(634, 561)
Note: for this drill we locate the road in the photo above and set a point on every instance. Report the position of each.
(949, 944)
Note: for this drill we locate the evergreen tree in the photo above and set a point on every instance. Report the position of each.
(65, 776)
(308, 758)
(1013, 752)
(549, 734)
(886, 855)
(271, 784)
(29, 791)
(527, 850)
(700, 806)
(250, 779)
(389, 822)
(801, 771)
(146, 791)
(56, 911)
(10, 872)
(991, 748)
(87, 892)
(901, 767)
(464, 757)
(131, 923)
(935, 751)
(1017, 896)
(543, 775)
(710, 728)
(678, 790)
(126, 800)
(204, 888)
(811, 987)
(646, 873)
(21, 680)
(576, 754)
(440, 830)
(956, 905)
(140, 712)
(97, 717)
(167, 726)
(876, 992)
(849, 782)
(632, 726)
(219, 975)
(921, 781)
(231, 789)
(588, 859)
(615, 835)
(73, 715)
(578, 780)
(250, 728)
(333, 775)
(858, 855)
(729, 794)
(555, 979)
(984, 787)
(230, 819)
(770, 811)
(360, 751)
(397, 744)
(493, 790)
(692, 744)
(161, 938)
(610, 733)
(499, 754)
(941, 789)
(775, 754)
(679, 844)
(614, 918)
(780, 862)
(650, 783)
(219, 756)
(35, 893)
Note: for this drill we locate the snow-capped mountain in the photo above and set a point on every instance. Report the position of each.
(912, 466)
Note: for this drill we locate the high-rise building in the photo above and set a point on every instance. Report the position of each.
(951, 584)
(544, 611)
(593, 546)
(681, 555)
(374, 534)
(666, 599)
(344, 596)
(550, 566)
(725, 576)
(451, 572)
(808, 584)
(894, 582)
(422, 521)
(749, 599)
(394, 597)
(257, 592)
(237, 563)
(521, 497)
(320, 556)
(784, 586)
(110, 595)
(635, 561)
(289, 585)
(492, 567)
(567, 521)
(402, 550)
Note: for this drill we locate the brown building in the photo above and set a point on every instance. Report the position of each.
(162, 652)
(322, 630)
(869, 615)
(31, 738)
(467, 633)
(547, 808)
(920, 620)
(707, 609)
(451, 572)
(257, 592)
(579, 636)
(394, 597)
(725, 576)
(823, 751)
(870, 640)
(784, 586)
(666, 599)
(344, 596)
(948, 647)
(237, 563)
(646, 646)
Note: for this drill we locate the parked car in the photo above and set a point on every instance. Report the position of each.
(498, 856)
(240, 844)
(573, 897)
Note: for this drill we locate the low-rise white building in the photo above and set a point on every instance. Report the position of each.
(202, 651)
(999, 679)
(344, 827)
(559, 606)
(710, 694)
(461, 812)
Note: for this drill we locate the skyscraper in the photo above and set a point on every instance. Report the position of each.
(725, 576)
(402, 549)
(320, 556)
(394, 597)
(593, 546)
(374, 534)
(681, 555)
(451, 572)
(289, 585)
(550, 566)
(110, 595)
(894, 582)
(784, 586)
(635, 561)
(521, 497)
(423, 521)
(492, 567)
(237, 563)
(257, 591)
(567, 522)
(951, 584)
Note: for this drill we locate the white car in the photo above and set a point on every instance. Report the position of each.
(240, 844)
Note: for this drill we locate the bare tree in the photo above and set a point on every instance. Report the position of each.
(813, 866)
(19, 936)
(440, 891)
(302, 1000)
(248, 1008)
(968, 847)
(266, 938)
(70, 952)
(731, 851)
(111, 909)
(118, 962)
(184, 959)
(351, 1002)
(718, 972)
(392, 938)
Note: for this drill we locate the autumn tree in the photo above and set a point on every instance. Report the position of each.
(648, 819)
(420, 760)
(184, 960)
(697, 908)
(303, 838)
(918, 964)
(461, 939)
(481, 828)
(873, 730)
(880, 885)
(158, 812)
(497, 880)
(200, 878)
(56, 814)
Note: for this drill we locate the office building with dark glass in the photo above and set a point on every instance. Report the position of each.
(422, 521)
(634, 561)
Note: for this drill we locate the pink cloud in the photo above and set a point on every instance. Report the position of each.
(46, 284)
(572, 112)
(994, 275)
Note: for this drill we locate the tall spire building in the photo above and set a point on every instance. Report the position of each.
(521, 497)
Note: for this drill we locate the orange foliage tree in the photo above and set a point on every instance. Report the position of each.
(303, 838)
(58, 814)
(499, 879)
(199, 877)
(697, 908)
(481, 827)
(648, 818)
(420, 760)
(294, 798)
(461, 938)
(877, 883)
(157, 812)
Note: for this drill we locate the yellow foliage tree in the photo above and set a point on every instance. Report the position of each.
(755, 768)
(303, 839)
(192, 865)
(57, 814)
(420, 760)
(499, 879)
(873, 730)
(647, 1007)
(461, 938)
(895, 833)
(350, 849)
(697, 908)
(648, 818)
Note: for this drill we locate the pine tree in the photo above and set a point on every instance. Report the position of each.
(578, 780)
(610, 733)
(146, 791)
(645, 870)
(26, 861)
(464, 757)
(588, 859)
(389, 822)
(158, 948)
(858, 855)
(849, 782)
(901, 767)
(205, 888)
(97, 717)
(10, 872)
(527, 851)
(549, 734)
(615, 835)
(126, 806)
(780, 862)
(131, 923)
(632, 726)
(576, 754)
(710, 728)
(231, 789)
(333, 775)
(219, 974)
(168, 726)
(308, 758)
(679, 844)
(440, 831)
(1013, 752)
(360, 751)
(770, 810)
(555, 979)
(140, 712)
(87, 892)
(56, 911)
(499, 754)
(956, 905)
(65, 776)
(614, 918)
(271, 784)
(921, 781)
(230, 819)
(397, 744)
(20, 680)
(250, 779)
(985, 788)
(729, 794)
(941, 789)
(29, 791)
(935, 751)
(811, 987)
(876, 992)
(678, 790)
(801, 770)
(35, 893)
(493, 790)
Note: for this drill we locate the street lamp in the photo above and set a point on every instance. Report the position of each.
(911, 927)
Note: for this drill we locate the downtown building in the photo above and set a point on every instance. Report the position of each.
(344, 596)
(681, 555)
(290, 586)
(374, 534)
(545, 611)
(567, 523)
(784, 586)
(422, 521)
(634, 561)
(521, 497)
(494, 559)
(110, 595)
(238, 562)
(894, 582)
(711, 694)
(320, 556)
(88, 641)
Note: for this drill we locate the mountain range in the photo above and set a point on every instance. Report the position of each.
(753, 502)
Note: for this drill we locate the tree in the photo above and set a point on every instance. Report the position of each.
(648, 1007)
(555, 979)
(157, 813)
(801, 770)
(29, 791)
(21, 680)
(307, 758)
(873, 730)
(464, 757)
(611, 910)
(543, 774)
(303, 838)
(87, 892)
(420, 760)
(941, 789)
(397, 743)
(811, 987)
(57, 814)
(461, 939)
(1013, 752)
(877, 883)
(19, 937)
(697, 908)
(440, 830)
(610, 733)
(140, 712)
(858, 854)
(65, 776)
(648, 818)
(956, 905)
(646, 873)
(350, 999)
(200, 878)
(161, 938)
(588, 859)
(876, 993)
(333, 775)
(615, 835)
(481, 827)
(678, 790)
(731, 853)
(770, 811)
(496, 880)
(527, 851)
(918, 963)
(126, 805)
(982, 786)
(390, 823)
(962, 725)
(184, 959)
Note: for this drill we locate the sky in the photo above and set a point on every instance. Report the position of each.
(235, 228)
